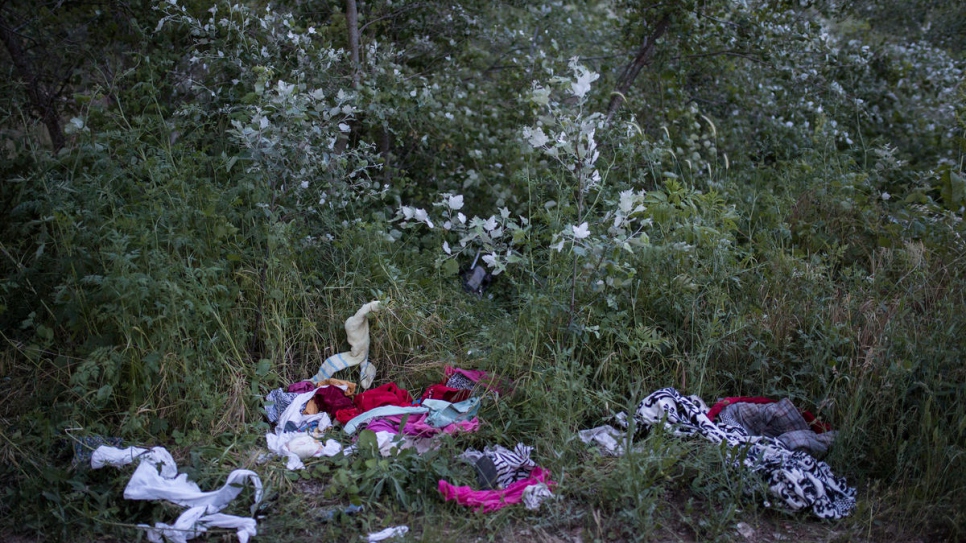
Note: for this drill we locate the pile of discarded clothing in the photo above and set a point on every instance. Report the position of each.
(773, 439)
(307, 413)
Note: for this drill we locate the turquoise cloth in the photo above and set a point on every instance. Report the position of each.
(443, 413)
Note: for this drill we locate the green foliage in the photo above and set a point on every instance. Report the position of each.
(776, 210)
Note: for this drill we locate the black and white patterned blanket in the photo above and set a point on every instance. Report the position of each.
(799, 480)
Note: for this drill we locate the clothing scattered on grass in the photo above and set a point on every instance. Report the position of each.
(150, 483)
(292, 424)
(799, 480)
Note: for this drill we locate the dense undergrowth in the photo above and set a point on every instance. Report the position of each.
(239, 187)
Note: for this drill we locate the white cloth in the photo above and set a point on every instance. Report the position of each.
(534, 495)
(357, 331)
(606, 437)
(278, 440)
(394, 531)
(148, 483)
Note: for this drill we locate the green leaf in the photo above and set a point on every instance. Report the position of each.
(104, 393)
(450, 267)
(264, 366)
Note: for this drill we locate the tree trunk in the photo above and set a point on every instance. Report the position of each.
(40, 98)
(633, 69)
(352, 22)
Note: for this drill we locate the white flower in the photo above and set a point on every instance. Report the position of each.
(461, 217)
(455, 202)
(886, 196)
(446, 248)
(305, 184)
(582, 231)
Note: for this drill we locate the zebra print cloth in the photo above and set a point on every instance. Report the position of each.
(799, 480)
(511, 466)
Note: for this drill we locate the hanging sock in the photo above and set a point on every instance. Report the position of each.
(357, 330)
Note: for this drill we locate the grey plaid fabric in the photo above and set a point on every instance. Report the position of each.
(780, 420)
(769, 419)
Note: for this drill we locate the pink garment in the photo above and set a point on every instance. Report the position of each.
(417, 427)
(480, 377)
(472, 375)
(494, 500)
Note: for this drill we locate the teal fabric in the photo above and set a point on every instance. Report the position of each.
(442, 413)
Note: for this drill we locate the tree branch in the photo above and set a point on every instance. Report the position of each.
(352, 22)
(633, 69)
(40, 98)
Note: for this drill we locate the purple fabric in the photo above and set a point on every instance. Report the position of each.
(417, 427)
(300, 387)
(493, 500)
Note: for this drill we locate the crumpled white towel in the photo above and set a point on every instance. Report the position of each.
(394, 531)
(278, 440)
(148, 484)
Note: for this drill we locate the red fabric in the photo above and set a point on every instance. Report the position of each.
(331, 399)
(388, 394)
(817, 426)
(345, 415)
(445, 393)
